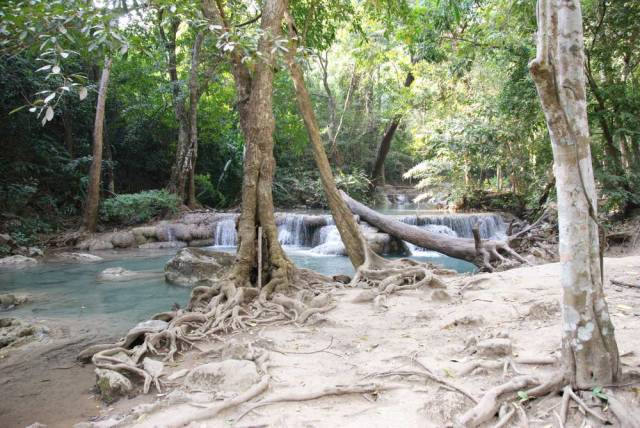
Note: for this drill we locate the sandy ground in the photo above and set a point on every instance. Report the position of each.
(42, 381)
(356, 341)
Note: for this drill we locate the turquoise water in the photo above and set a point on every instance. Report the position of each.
(72, 292)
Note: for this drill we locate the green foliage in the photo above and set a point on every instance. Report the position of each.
(140, 207)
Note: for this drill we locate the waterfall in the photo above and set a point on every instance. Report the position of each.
(292, 231)
(327, 241)
(225, 234)
(491, 225)
(319, 233)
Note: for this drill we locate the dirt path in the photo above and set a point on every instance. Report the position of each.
(357, 341)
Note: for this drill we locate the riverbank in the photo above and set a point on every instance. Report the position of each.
(356, 341)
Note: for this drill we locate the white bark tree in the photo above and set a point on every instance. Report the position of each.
(589, 349)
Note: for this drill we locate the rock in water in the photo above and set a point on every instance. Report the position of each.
(195, 266)
(78, 257)
(17, 261)
(115, 274)
(226, 377)
(112, 384)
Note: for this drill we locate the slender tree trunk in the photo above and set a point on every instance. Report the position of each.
(589, 349)
(180, 167)
(377, 174)
(346, 224)
(90, 221)
(189, 163)
(109, 174)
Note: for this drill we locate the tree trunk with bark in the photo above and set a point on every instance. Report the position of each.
(92, 203)
(486, 254)
(185, 110)
(377, 173)
(255, 106)
(589, 349)
(346, 224)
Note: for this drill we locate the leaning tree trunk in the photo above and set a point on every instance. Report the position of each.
(589, 349)
(486, 254)
(90, 221)
(346, 224)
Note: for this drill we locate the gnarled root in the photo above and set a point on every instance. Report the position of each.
(230, 305)
(532, 387)
(295, 396)
(383, 277)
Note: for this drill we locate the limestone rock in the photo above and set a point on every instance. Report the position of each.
(440, 296)
(342, 279)
(17, 261)
(34, 252)
(123, 240)
(494, 348)
(97, 243)
(112, 384)
(202, 242)
(200, 232)
(78, 257)
(163, 245)
(149, 326)
(194, 266)
(119, 274)
(9, 300)
(226, 377)
(153, 367)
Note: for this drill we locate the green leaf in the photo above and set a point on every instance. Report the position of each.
(597, 391)
(523, 396)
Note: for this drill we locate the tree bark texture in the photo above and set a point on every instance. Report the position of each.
(90, 220)
(589, 349)
(377, 174)
(482, 253)
(255, 106)
(346, 224)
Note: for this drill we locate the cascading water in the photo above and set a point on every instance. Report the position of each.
(319, 233)
(225, 234)
(292, 231)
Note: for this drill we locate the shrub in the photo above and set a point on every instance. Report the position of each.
(138, 207)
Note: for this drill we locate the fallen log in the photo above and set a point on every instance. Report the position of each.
(487, 254)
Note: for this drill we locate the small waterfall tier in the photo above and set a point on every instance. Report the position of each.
(319, 233)
(461, 225)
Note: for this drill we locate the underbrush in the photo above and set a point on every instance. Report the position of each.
(135, 208)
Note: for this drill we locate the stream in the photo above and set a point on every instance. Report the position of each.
(72, 293)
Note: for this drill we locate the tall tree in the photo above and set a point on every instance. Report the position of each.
(346, 224)
(90, 218)
(589, 349)
(255, 107)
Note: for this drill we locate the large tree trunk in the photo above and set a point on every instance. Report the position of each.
(377, 174)
(255, 106)
(484, 254)
(589, 349)
(90, 221)
(346, 224)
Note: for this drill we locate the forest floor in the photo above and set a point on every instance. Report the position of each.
(357, 343)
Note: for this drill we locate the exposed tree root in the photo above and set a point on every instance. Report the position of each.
(296, 396)
(382, 277)
(534, 387)
(261, 359)
(229, 306)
